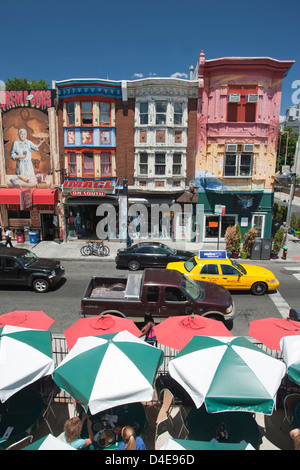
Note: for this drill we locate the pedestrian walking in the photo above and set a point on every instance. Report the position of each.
(285, 228)
(8, 238)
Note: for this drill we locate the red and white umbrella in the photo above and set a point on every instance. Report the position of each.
(35, 319)
(269, 331)
(97, 326)
(176, 332)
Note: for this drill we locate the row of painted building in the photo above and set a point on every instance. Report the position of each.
(206, 145)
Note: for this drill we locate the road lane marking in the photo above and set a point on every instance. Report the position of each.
(281, 305)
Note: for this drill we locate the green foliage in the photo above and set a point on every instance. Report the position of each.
(278, 239)
(237, 244)
(293, 223)
(249, 238)
(298, 225)
(275, 210)
(292, 142)
(24, 84)
(281, 214)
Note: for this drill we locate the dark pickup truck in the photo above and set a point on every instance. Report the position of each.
(161, 292)
(21, 267)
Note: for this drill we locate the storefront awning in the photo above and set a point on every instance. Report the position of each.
(39, 196)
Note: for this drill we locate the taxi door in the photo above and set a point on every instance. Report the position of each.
(210, 273)
(231, 278)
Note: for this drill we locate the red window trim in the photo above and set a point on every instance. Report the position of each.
(242, 111)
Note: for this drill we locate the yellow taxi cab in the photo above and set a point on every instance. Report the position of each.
(228, 273)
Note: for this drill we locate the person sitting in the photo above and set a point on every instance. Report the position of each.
(72, 430)
(295, 435)
(148, 330)
(130, 441)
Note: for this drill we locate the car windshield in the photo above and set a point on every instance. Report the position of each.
(168, 249)
(239, 267)
(28, 258)
(195, 290)
(190, 264)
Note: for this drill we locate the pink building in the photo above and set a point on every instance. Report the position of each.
(237, 130)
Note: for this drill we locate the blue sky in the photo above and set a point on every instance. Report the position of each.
(118, 40)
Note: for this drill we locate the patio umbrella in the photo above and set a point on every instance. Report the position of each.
(101, 372)
(25, 356)
(228, 374)
(176, 332)
(48, 442)
(36, 319)
(97, 326)
(269, 331)
(182, 444)
(290, 347)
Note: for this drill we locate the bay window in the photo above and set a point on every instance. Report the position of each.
(144, 113)
(143, 165)
(177, 164)
(161, 112)
(178, 113)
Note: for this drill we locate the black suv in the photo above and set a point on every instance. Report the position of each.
(21, 267)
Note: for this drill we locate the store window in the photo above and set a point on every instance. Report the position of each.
(105, 164)
(87, 164)
(71, 113)
(143, 113)
(72, 164)
(238, 164)
(86, 113)
(104, 113)
(161, 112)
(178, 113)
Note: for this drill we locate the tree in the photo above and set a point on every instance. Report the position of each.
(292, 142)
(293, 223)
(24, 84)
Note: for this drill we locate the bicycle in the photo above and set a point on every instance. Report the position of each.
(95, 247)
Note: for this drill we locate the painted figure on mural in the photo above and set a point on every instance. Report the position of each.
(21, 152)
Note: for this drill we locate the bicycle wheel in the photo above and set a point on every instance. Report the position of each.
(87, 250)
(106, 250)
(82, 250)
(100, 250)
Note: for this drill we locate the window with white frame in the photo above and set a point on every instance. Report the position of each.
(160, 164)
(72, 164)
(71, 113)
(104, 113)
(105, 164)
(144, 113)
(238, 164)
(86, 113)
(178, 113)
(143, 164)
(177, 164)
(161, 112)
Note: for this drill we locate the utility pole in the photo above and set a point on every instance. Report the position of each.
(293, 181)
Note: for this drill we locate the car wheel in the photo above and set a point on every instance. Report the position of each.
(134, 265)
(259, 288)
(40, 285)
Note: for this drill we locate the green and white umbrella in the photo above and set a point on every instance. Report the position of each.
(25, 356)
(48, 442)
(228, 374)
(101, 372)
(182, 444)
(290, 347)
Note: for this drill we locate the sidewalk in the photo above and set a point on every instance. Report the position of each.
(71, 250)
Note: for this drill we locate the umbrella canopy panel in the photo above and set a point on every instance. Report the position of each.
(228, 374)
(269, 331)
(25, 356)
(290, 346)
(101, 372)
(36, 319)
(48, 442)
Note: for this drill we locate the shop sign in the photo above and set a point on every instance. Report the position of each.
(91, 188)
(35, 218)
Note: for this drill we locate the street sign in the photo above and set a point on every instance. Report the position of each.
(220, 210)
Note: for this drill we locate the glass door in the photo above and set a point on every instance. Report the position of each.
(258, 222)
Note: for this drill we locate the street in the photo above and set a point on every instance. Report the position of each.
(63, 303)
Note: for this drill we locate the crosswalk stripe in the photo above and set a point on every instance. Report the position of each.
(281, 305)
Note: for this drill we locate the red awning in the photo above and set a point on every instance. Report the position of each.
(44, 196)
(9, 196)
(39, 196)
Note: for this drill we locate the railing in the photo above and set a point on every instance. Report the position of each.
(60, 350)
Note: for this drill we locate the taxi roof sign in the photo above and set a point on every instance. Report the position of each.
(212, 254)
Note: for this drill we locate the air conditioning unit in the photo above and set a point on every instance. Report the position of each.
(234, 98)
(231, 147)
(248, 148)
(252, 98)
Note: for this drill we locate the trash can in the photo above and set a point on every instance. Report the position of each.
(256, 249)
(266, 248)
(20, 236)
(34, 237)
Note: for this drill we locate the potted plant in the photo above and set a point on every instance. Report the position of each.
(237, 243)
(231, 239)
(277, 243)
(249, 238)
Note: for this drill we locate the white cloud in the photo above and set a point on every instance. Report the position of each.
(138, 75)
(282, 119)
(152, 74)
(179, 75)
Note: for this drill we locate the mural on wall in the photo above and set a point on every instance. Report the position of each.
(26, 140)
